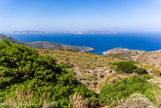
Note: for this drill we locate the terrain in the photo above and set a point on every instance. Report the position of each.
(46, 44)
(67, 78)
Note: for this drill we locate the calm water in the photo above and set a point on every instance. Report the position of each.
(101, 43)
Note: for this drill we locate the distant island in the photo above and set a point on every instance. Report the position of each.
(27, 32)
(80, 32)
(96, 32)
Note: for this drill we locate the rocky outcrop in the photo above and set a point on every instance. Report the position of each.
(46, 44)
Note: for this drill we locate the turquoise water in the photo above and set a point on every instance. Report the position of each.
(102, 42)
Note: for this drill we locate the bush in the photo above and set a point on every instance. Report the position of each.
(111, 79)
(138, 101)
(156, 71)
(125, 66)
(72, 50)
(140, 70)
(23, 68)
(146, 77)
(113, 94)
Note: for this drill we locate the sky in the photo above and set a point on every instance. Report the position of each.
(80, 15)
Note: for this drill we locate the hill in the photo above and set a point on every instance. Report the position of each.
(46, 44)
(98, 73)
(42, 78)
(143, 57)
(151, 57)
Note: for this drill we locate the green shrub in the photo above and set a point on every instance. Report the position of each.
(72, 50)
(23, 68)
(140, 70)
(156, 71)
(146, 76)
(125, 66)
(112, 94)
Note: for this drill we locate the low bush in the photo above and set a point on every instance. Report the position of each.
(72, 50)
(138, 101)
(113, 94)
(146, 76)
(111, 79)
(125, 66)
(140, 70)
(156, 71)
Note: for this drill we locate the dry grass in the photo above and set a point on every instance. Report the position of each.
(113, 78)
(137, 101)
(79, 59)
(78, 102)
(25, 99)
(157, 95)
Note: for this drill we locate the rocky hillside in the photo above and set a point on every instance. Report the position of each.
(151, 57)
(10, 39)
(99, 73)
(89, 68)
(46, 44)
(146, 57)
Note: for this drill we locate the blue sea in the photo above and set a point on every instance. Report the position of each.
(100, 42)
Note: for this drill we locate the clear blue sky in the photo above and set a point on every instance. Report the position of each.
(81, 15)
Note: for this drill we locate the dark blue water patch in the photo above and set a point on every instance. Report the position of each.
(102, 42)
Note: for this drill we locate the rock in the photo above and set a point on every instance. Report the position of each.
(100, 75)
(95, 83)
(113, 71)
(110, 71)
(107, 71)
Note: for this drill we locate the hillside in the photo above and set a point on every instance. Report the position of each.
(46, 44)
(89, 68)
(98, 74)
(27, 77)
(46, 78)
(143, 57)
(151, 57)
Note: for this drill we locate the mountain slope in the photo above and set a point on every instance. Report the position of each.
(147, 57)
(150, 57)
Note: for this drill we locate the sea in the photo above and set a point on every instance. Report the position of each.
(100, 42)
